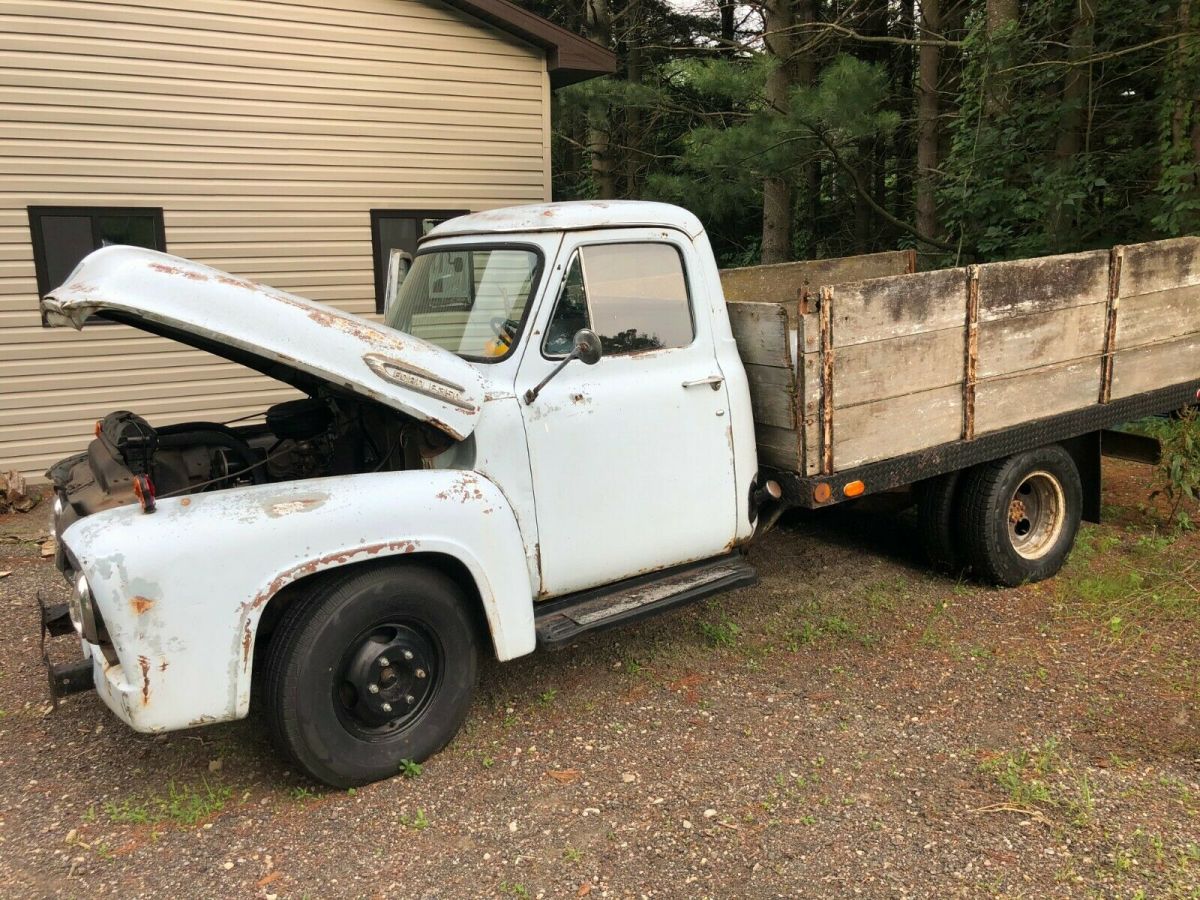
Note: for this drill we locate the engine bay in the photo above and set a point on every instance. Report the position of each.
(305, 438)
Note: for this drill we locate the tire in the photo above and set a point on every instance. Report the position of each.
(405, 629)
(1019, 515)
(937, 522)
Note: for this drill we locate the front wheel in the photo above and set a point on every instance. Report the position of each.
(1019, 515)
(370, 670)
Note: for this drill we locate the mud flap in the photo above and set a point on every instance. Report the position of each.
(67, 678)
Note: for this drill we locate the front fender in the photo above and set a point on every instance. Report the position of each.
(182, 589)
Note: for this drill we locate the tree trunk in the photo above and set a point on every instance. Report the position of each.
(778, 21)
(599, 18)
(927, 120)
(728, 33)
(870, 152)
(1076, 84)
(633, 114)
(903, 78)
(999, 14)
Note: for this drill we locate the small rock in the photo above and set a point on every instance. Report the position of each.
(227, 865)
(709, 813)
(629, 778)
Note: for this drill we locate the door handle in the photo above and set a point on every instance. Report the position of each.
(714, 381)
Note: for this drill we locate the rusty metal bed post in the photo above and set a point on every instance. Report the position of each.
(827, 356)
(970, 354)
(1116, 257)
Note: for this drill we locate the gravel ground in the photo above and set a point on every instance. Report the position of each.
(852, 726)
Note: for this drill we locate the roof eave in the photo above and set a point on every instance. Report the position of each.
(569, 57)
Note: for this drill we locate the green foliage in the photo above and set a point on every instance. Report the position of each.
(722, 166)
(182, 805)
(410, 769)
(1179, 471)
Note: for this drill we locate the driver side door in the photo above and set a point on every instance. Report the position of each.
(631, 458)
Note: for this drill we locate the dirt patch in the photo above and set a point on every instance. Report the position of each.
(853, 725)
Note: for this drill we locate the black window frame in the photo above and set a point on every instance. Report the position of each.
(37, 238)
(377, 263)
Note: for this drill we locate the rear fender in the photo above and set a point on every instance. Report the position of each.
(182, 589)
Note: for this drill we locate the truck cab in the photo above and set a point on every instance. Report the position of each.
(656, 431)
(549, 432)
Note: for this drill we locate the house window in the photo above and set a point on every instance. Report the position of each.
(400, 229)
(63, 235)
(634, 296)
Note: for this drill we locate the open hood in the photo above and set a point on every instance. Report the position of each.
(291, 339)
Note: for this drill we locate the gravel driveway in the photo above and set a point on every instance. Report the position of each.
(852, 726)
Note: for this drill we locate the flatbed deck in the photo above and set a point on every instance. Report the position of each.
(863, 370)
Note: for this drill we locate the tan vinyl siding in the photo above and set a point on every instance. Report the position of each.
(266, 131)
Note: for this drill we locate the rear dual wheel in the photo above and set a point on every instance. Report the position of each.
(1012, 521)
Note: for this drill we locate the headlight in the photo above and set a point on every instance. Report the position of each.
(83, 613)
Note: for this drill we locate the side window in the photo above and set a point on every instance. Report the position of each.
(634, 296)
(62, 236)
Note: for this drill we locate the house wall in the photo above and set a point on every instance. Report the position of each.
(266, 131)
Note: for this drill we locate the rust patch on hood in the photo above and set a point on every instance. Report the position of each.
(144, 662)
(141, 605)
(175, 270)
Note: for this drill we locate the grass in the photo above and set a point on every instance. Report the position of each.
(418, 822)
(720, 634)
(182, 805)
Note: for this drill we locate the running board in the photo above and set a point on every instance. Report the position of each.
(559, 622)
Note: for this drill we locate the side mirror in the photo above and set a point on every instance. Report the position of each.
(587, 349)
(399, 262)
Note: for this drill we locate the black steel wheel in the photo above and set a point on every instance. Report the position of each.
(369, 670)
(1019, 515)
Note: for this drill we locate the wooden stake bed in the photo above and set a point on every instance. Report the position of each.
(859, 362)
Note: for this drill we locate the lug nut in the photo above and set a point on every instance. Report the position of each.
(408, 654)
(373, 688)
(410, 699)
(387, 707)
(420, 673)
(383, 662)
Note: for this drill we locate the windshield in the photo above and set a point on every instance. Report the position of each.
(469, 301)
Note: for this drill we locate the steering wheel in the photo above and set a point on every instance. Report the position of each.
(505, 329)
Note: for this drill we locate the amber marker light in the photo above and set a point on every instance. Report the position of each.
(854, 489)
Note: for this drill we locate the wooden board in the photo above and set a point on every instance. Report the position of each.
(884, 308)
(1160, 265)
(778, 447)
(787, 282)
(1026, 286)
(884, 369)
(1156, 365)
(887, 428)
(773, 396)
(1159, 316)
(1014, 345)
(1026, 396)
(761, 332)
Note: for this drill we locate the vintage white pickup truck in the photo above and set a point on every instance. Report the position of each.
(564, 423)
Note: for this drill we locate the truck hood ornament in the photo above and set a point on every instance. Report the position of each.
(289, 338)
